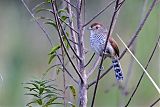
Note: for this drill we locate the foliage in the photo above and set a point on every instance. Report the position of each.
(43, 92)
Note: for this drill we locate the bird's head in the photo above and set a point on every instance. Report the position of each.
(96, 28)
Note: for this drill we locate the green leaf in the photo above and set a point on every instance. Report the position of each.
(49, 1)
(65, 40)
(62, 11)
(41, 90)
(39, 101)
(42, 10)
(32, 102)
(34, 84)
(58, 70)
(52, 23)
(64, 17)
(51, 101)
(73, 90)
(44, 18)
(52, 53)
(54, 49)
(30, 94)
(51, 58)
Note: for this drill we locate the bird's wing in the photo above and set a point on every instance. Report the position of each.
(114, 45)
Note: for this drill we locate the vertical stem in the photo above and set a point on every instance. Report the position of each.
(83, 83)
(64, 79)
(73, 37)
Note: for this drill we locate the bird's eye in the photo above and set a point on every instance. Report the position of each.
(97, 27)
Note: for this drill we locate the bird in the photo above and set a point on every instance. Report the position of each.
(98, 36)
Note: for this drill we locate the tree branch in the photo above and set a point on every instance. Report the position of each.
(73, 36)
(66, 69)
(89, 60)
(58, 19)
(143, 73)
(99, 13)
(57, 23)
(155, 102)
(94, 66)
(68, 2)
(83, 84)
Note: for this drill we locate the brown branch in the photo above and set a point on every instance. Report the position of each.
(133, 49)
(143, 73)
(90, 72)
(59, 34)
(83, 84)
(89, 60)
(73, 42)
(131, 40)
(155, 102)
(73, 36)
(58, 18)
(66, 69)
(70, 4)
(64, 76)
(68, 25)
(99, 13)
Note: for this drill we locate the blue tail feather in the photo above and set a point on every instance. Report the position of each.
(117, 69)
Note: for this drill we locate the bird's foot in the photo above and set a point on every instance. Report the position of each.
(101, 68)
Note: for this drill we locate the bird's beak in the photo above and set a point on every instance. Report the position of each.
(89, 28)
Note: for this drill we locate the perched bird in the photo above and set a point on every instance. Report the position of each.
(98, 36)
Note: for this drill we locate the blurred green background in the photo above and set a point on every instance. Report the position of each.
(24, 52)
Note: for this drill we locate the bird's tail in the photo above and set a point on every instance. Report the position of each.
(117, 69)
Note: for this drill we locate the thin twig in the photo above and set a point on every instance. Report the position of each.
(68, 25)
(73, 35)
(116, 16)
(70, 4)
(89, 60)
(155, 102)
(133, 48)
(159, 44)
(99, 13)
(73, 42)
(64, 77)
(58, 19)
(57, 23)
(109, 31)
(66, 69)
(82, 86)
(94, 66)
(42, 28)
(143, 73)
(139, 28)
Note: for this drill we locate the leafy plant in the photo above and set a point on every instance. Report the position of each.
(43, 92)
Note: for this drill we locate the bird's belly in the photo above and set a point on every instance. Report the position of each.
(98, 46)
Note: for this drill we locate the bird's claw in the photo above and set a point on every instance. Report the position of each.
(101, 68)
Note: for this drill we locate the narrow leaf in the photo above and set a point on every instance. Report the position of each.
(51, 58)
(73, 90)
(54, 49)
(41, 10)
(51, 101)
